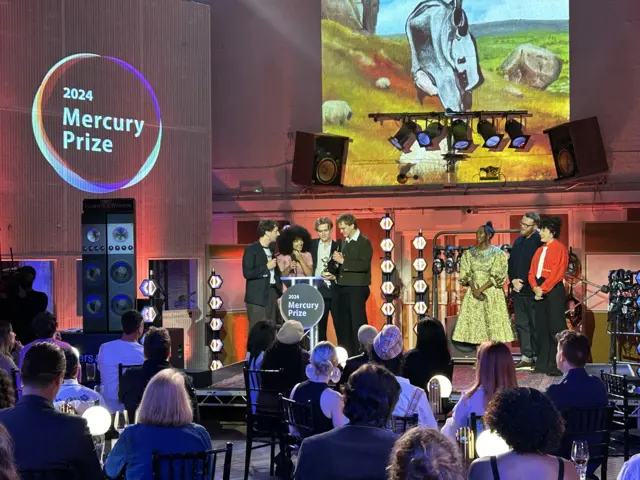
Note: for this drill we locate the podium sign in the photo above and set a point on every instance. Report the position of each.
(304, 303)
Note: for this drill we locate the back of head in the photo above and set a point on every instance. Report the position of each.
(7, 393)
(366, 335)
(553, 224)
(266, 225)
(165, 401)
(371, 394)
(432, 339)
(495, 370)
(387, 349)
(425, 453)
(324, 358)
(526, 419)
(42, 365)
(44, 325)
(131, 321)
(574, 347)
(8, 469)
(261, 336)
(157, 344)
(489, 230)
(71, 357)
(347, 219)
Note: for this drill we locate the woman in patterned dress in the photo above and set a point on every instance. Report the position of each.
(483, 315)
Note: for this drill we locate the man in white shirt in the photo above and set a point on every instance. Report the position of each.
(127, 351)
(71, 392)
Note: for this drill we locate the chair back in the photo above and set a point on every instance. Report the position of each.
(263, 405)
(16, 383)
(399, 424)
(617, 385)
(299, 416)
(123, 368)
(592, 424)
(65, 473)
(191, 466)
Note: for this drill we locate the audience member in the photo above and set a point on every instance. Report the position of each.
(431, 356)
(495, 371)
(44, 438)
(30, 303)
(164, 425)
(631, 469)
(261, 336)
(366, 334)
(425, 454)
(126, 350)
(7, 345)
(361, 448)
(157, 351)
(387, 351)
(44, 327)
(326, 403)
(77, 395)
(532, 426)
(8, 469)
(7, 393)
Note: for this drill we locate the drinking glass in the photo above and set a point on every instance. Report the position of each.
(121, 421)
(91, 371)
(580, 456)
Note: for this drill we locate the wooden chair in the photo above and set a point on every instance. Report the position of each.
(618, 389)
(192, 466)
(400, 425)
(265, 422)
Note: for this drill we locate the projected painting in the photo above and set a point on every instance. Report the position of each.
(437, 55)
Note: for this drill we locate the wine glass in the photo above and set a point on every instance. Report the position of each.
(580, 456)
(121, 421)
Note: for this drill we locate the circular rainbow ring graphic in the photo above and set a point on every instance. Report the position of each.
(49, 152)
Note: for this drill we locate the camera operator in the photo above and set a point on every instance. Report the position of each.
(20, 303)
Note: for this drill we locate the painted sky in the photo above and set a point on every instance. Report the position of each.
(393, 13)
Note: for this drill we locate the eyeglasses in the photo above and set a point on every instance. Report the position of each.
(526, 225)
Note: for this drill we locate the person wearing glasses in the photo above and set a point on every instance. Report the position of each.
(523, 250)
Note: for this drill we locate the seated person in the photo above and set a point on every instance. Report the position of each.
(494, 372)
(366, 334)
(431, 356)
(8, 470)
(157, 351)
(8, 346)
(531, 426)
(164, 425)
(44, 326)
(44, 438)
(361, 448)
(126, 350)
(261, 336)
(7, 393)
(326, 403)
(424, 453)
(71, 392)
(387, 351)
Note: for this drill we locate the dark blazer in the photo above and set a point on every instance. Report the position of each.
(44, 438)
(135, 380)
(257, 275)
(347, 452)
(353, 363)
(578, 389)
(356, 268)
(332, 267)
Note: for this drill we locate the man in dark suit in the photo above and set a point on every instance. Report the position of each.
(360, 449)
(322, 249)
(366, 335)
(44, 438)
(260, 270)
(157, 351)
(352, 285)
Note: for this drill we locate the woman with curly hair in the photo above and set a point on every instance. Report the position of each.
(531, 425)
(8, 469)
(7, 393)
(294, 245)
(425, 454)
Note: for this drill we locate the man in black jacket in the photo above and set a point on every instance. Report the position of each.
(260, 270)
(43, 438)
(354, 278)
(520, 257)
(157, 351)
(323, 266)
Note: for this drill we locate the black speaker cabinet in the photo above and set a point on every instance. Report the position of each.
(95, 308)
(177, 347)
(319, 160)
(577, 149)
(458, 351)
(121, 256)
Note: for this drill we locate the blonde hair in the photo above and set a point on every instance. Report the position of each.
(324, 358)
(8, 469)
(495, 370)
(165, 402)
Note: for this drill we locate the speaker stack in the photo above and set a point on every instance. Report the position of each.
(108, 263)
(319, 160)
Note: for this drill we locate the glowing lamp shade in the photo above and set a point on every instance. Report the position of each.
(98, 418)
(420, 264)
(215, 281)
(419, 242)
(518, 138)
(149, 314)
(490, 443)
(342, 354)
(387, 288)
(387, 266)
(215, 365)
(430, 134)
(460, 135)
(216, 324)
(386, 223)
(215, 303)
(387, 245)
(388, 309)
(420, 308)
(420, 286)
(216, 345)
(488, 133)
(148, 288)
(445, 385)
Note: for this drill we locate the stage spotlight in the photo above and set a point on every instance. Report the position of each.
(460, 134)
(427, 137)
(487, 131)
(518, 138)
(405, 136)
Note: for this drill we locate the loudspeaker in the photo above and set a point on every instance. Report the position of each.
(95, 301)
(458, 351)
(577, 149)
(177, 347)
(121, 256)
(319, 160)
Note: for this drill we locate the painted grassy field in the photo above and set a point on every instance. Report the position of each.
(353, 62)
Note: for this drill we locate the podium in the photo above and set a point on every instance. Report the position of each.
(303, 302)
